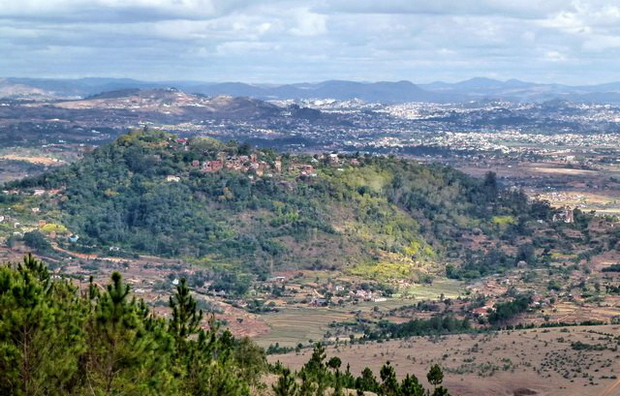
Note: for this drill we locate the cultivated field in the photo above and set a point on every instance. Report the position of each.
(293, 325)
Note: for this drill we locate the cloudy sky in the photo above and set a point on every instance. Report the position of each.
(566, 41)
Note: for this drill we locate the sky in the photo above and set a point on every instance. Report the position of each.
(281, 41)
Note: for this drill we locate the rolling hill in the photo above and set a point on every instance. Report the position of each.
(171, 101)
(150, 192)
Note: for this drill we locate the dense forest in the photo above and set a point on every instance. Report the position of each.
(148, 193)
(56, 339)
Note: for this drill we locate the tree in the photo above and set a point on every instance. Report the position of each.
(334, 363)
(244, 149)
(185, 320)
(40, 338)
(410, 386)
(490, 185)
(286, 385)
(122, 354)
(316, 368)
(251, 360)
(220, 379)
(55, 341)
(389, 385)
(316, 364)
(367, 381)
(36, 241)
(338, 388)
(307, 387)
(435, 375)
(440, 391)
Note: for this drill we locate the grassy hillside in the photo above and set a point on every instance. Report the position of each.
(152, 193)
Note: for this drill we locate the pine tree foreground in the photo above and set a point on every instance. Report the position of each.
(57, 340)
(320, 378)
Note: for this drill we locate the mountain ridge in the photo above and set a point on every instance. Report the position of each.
(476, 88)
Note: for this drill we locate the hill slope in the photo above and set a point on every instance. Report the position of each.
(149, 192)
(173, 101)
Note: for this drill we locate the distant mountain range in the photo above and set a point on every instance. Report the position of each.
(385, 92)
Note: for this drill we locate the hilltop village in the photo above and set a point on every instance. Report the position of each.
(260, 165)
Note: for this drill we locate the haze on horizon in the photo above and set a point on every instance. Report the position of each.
(279, 41)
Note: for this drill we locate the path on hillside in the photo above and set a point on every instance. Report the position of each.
(94, 256)
(87, 256)
(612, 390)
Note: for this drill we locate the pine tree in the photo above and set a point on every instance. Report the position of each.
(316, 364)
(389, 385)
(410, 386)
(307, 387)
(121, 351)
(40, 339)
(54, 341)
(316, 369)
(251, 360)
(435, 375)
(186, 318)
(348, 380)
(440, 391)
(286, 385)
(367, 381)
(338, 388)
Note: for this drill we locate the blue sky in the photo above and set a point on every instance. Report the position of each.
(278, 41)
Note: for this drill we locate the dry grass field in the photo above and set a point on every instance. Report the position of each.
(545, 362)
(33, 159)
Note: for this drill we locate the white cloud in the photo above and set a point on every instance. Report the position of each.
(118, 10)
(293, 40)
(309, 23)
(523, 9)
(555, 56)
(602, 43)
(245, 47)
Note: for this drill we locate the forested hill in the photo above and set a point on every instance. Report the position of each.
(153, 193)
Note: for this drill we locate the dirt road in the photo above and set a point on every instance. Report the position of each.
(613, 390)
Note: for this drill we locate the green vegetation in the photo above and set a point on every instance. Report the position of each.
(507, 310)
(502, 220)
(36, 240)
(438, 324)
(149, 193)
(481, 263)
(320, 376)
(581, 346)
(58, 340)
(612, 268)
(50, 227)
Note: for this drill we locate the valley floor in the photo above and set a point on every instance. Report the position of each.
(567, 361)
